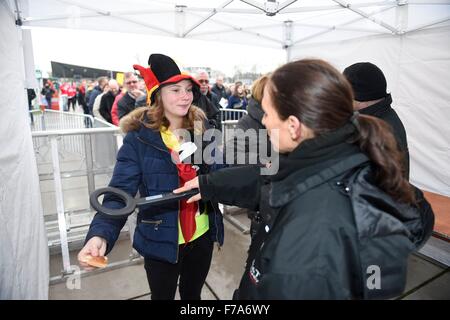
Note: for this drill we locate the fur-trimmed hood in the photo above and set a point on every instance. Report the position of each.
(131, 122)
(134, 120)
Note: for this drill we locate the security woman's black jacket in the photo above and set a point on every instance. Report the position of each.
(329, 232)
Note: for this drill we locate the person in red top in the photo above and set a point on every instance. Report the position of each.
(114, 111)
(72, 95)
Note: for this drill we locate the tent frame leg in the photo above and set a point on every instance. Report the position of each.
(60, 206)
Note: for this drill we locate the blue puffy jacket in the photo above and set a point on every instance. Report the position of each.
(144, 164)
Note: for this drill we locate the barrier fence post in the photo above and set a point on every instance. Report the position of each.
(60, 205)
(89, 163)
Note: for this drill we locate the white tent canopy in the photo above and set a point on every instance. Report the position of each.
(287, 24)
(408, 40)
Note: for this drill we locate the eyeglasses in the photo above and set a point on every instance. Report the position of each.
(203, 81)
(130, 82)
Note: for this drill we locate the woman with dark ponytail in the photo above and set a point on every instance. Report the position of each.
(341, 220)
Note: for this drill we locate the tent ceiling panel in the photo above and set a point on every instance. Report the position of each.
(347, 18)
(419, 15)
(243, 37)
(219, 25)
(121, 24)
(331, 36)
(98, 7)
(242, 21)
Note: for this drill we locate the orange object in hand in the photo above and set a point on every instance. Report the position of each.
(98, 262)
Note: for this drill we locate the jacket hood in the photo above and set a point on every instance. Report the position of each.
(129, 123)
(254, 110)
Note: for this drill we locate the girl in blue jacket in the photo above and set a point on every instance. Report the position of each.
(175, 239)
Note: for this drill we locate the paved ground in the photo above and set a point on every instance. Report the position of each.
(426, 280)
(126, 279)
(130, 282)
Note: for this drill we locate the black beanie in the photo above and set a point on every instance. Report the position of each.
(367, 80)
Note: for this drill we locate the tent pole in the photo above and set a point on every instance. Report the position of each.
(367, 16)
(429, 24)
(62, 226)
(288, 53)
(287, 36)
(340, 25)
(206, 18)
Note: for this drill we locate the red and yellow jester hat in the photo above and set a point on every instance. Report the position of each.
(163, 71)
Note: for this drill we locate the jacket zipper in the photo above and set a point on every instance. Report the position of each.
(219, 247)
(155, 222)
(178, 232)
(215, 223)
(147, 143)
(215, 220)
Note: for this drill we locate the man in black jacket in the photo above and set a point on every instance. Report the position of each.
(128, 102)
(107, 100)
(48, 92)
(369, 89)
(219, 89)
(31, 95)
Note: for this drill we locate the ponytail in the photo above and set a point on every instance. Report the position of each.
(377, 141)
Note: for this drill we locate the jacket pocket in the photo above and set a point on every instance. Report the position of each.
(157, 240)
(157, 230)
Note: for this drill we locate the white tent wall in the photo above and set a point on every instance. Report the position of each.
(417, 67)
(24, 257)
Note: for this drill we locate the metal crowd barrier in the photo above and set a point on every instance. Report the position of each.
(71, 145)
(231, 115)
(229, 118)
(48, 120)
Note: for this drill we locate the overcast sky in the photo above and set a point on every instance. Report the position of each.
(119, 51)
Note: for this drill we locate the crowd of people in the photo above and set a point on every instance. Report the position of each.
(109, 100)
(339, 207)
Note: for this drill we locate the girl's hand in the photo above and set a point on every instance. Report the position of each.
(95, 247)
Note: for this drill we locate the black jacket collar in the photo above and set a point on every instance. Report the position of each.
(305, 166)
(285, 191)
(378, 109)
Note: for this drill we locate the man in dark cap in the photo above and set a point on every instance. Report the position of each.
(369, 89)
